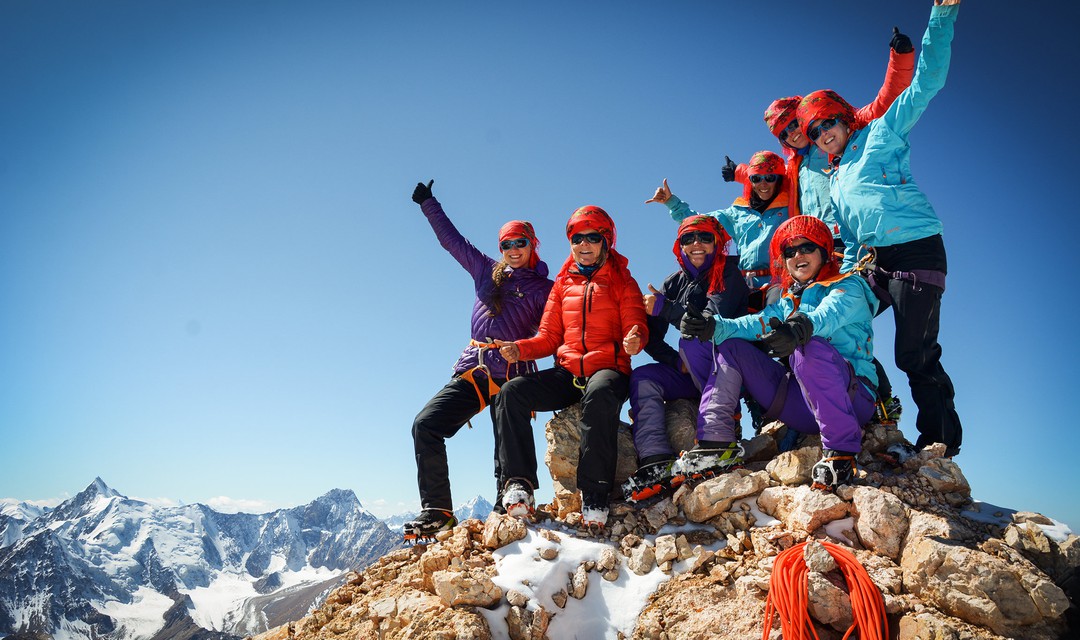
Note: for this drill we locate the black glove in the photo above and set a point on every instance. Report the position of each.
(900, 43)
(694, 325)
(785, 337)
(422, 192)
(727, 172)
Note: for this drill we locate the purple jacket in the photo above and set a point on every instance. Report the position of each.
(524, 294)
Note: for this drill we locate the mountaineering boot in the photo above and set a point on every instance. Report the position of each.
(834, 469)
(708, 459)
(898, 453)
(888, 411)
(517, 498)
(594, 509)
(428, 523)
(654, 476)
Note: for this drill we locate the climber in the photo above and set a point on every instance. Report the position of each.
(822, 325)
(510, 296)
(708, 278)
(593, 322)
(889, 228)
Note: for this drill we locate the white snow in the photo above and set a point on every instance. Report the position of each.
(218, 605)
(141, 618)
(607, 609)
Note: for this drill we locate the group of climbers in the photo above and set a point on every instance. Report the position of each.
(774, 299)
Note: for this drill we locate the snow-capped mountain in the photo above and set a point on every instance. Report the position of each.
(101, 563)
(478, 508)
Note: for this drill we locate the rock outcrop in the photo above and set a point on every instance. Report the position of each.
(944, 570)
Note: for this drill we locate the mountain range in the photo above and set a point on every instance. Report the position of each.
(101, 563)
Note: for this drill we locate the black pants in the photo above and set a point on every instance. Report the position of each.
(917, 312)
(440, 419)
(551, 390)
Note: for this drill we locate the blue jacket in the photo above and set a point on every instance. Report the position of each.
(841, 309)
(524, 294)
(752, 231)
(876, 199)
(815, 172)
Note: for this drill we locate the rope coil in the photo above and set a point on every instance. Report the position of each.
(789, 596)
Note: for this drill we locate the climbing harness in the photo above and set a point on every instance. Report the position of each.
(866, 266)
(789, 596)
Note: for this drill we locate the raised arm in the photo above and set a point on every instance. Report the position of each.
(468, 256)
(897, 78)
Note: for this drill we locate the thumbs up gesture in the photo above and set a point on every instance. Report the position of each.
(632, 342)
(654, 301)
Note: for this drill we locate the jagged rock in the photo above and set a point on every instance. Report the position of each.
(802, 508)
(516, 598)
(665, 549)
(818, 558)
(715, 496)
(466, 588)
(980, 588)
(500, 530)
(881, 520)
(793, 467)
(559, 598)
(579, 582)
(877, 437)
(945, 476)
(608, 560)
(827, 602)
(759, 448)
(659, 514)
(525, 624)
(641, 560)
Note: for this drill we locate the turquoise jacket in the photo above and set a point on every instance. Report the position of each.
(752, 231)
(841, 309)
(876, 200)
(814, 178)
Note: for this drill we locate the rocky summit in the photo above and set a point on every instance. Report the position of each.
(699, 563)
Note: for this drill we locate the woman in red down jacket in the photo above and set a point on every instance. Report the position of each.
(593, 322)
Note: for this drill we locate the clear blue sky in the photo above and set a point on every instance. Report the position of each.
(214, 285)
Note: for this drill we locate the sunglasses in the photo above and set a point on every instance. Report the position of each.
(804, 248)
(788, 130)
(815, 132)
(690, 237)
(770, 178)
(519, 243)
(591, 238)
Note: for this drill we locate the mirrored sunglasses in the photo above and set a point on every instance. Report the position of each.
(815, 132)
(770, 177)
(517, 243)
(690, 237)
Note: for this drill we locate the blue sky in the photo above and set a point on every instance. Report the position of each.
(214, 285)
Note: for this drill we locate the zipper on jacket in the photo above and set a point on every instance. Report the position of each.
(586, 304)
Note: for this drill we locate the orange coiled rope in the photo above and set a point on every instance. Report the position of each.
(789, 595)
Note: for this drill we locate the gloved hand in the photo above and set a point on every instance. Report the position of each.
(900, 43)
(422, 192)
(785, 337)
(727, 172)
(694, 325)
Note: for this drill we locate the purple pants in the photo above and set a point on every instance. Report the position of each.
(653, 384)
(818, 393)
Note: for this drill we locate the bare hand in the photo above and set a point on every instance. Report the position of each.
(945, 3)
(650, 300)
(662, 195)
(509, 351)
(632, 342)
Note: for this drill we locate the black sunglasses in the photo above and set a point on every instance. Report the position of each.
(591, 238)
(770, 178)
(690, 237)
(519, 243)
(815, 132)
(804, 248)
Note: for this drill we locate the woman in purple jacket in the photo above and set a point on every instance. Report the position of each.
(510, 297)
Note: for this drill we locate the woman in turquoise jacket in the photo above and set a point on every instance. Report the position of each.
(885, 217)
(751, 220)
(822, 324)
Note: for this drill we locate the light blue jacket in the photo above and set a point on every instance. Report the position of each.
(841, 309)
(752, 231)
(876, 200)
(815, 172)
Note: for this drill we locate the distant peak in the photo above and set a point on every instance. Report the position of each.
(99, 488)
